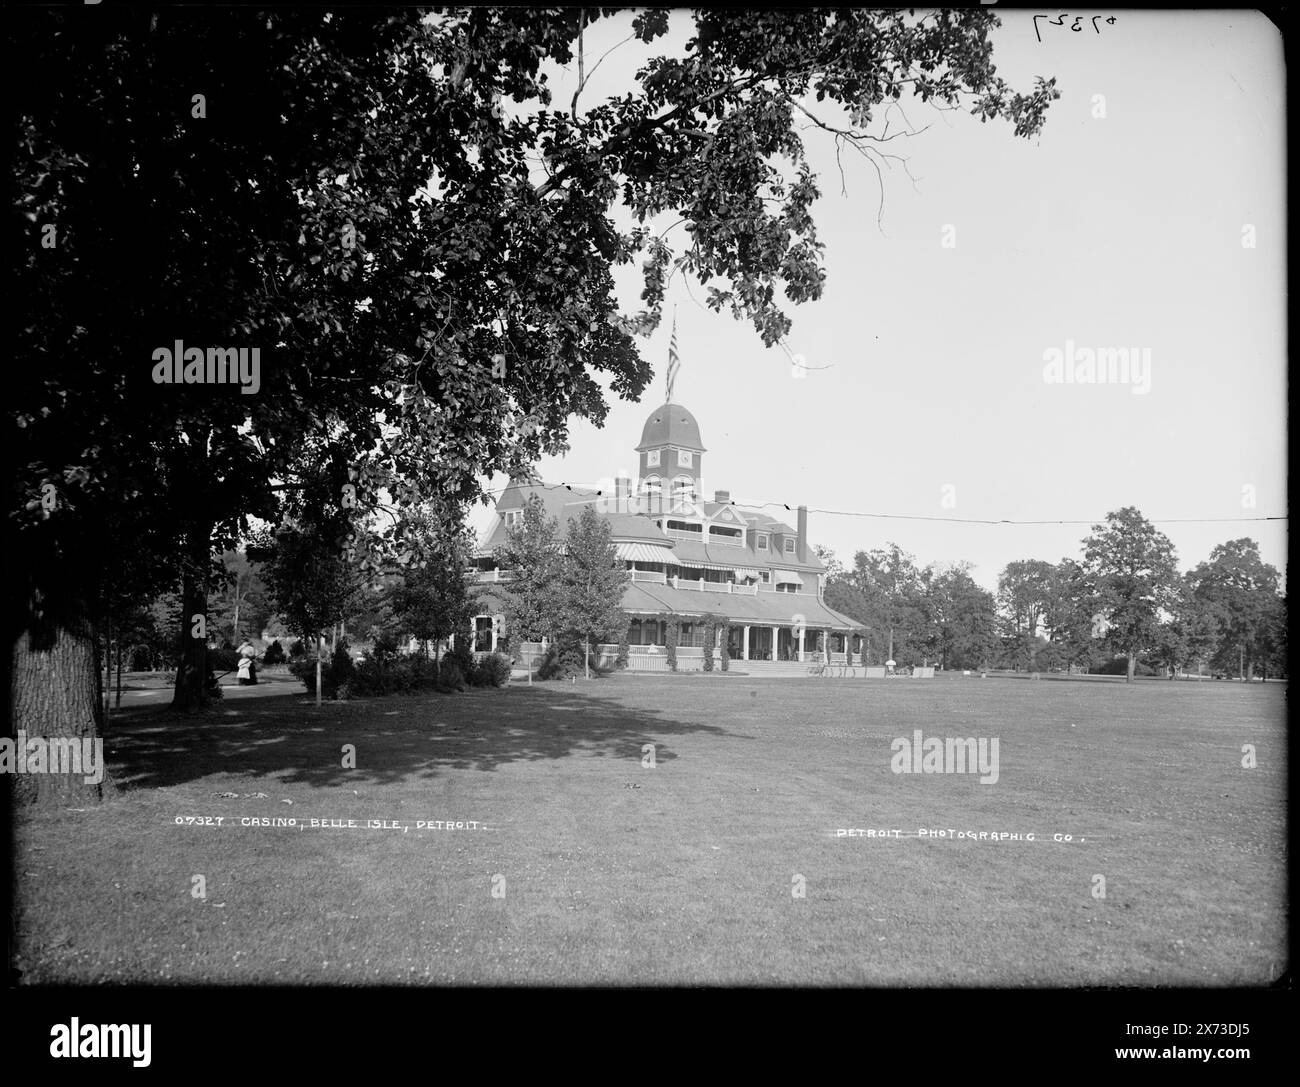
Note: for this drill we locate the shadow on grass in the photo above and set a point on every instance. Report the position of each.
(397, 739)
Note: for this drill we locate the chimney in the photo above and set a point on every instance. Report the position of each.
(722, 496)
(803, 534)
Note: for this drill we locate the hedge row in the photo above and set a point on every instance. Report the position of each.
(382, 673)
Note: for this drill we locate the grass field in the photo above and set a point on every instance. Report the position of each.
(608, 871)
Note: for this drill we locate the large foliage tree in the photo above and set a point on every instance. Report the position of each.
(960, 617)
(1242, 591)
(1133, 567)
(433, 599)
(1025, 589)
(532, 555)
(1069, 619)
(592, 583)
(386, 205)
(891, 584)
(1191, 633)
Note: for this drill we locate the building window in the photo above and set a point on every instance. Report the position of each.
(684, 458)
(652, 485)
(652, 459)
(482, 633)
(514, 517)
(762, 544)
(789, 547)
(764, 576)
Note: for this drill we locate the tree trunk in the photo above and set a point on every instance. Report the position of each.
(1132, 667)
(320, 648)
(55, 692)
(192, 670)
(108, 670)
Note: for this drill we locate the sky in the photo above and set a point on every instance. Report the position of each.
(927, 394)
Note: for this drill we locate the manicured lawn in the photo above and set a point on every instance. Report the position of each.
(683, 873)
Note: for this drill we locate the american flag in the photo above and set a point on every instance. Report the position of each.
(674, 363)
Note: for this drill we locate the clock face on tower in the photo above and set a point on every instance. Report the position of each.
(652, 459)
(684, 458)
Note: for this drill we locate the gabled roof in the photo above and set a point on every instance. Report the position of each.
(563, 502)
(762, 520)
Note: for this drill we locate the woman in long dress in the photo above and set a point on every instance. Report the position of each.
(247, 665)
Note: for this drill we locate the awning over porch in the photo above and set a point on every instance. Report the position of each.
(786, 577)
(642, 552)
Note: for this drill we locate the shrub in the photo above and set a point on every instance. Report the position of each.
(275, 653)
(620, 661)
(464, 658)
(450, 676)
(337, 675)
(305, 669)
(211, 685)
(708, 657)
(223, 660)
(296, 649)
(368, 678)
(562, 660)
(382, 675)
(670, 647)
(341, 667)
(494, 670)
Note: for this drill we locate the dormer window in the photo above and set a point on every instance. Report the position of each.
(513, 517)
(789, 547)
(762, 544)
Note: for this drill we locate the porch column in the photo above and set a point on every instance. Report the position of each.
(801, 633)
(775, 640)
(744, 645)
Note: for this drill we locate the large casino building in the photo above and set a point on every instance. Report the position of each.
(687, 556)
